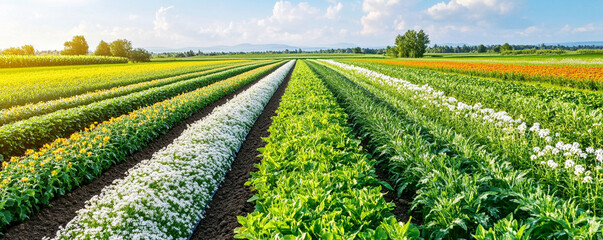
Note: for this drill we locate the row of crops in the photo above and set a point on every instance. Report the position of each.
(480, 159)
(83, 149)
(21, 86)
(572, 76)
(19, 61)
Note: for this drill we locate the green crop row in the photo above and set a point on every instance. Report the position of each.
(30, 181)
(17, 61)
(20, 86)
(460, 189)
(574, 114)
(26, 111)
(16, 137)
(315, 181)
(571, 170)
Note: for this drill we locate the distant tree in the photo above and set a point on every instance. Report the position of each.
(103, 49)
(496, 48)
(506, 48)
(391, 51)
(140, 55)
(24, 50)
(412, 44)
(481, 48)
(28, 50)
(77, 46)
(357, 50)
(286, 51)
(120, 48)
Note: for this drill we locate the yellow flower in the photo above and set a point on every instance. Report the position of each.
(68, 164)
(54, 172)
(89, 153)
(59, 158)
(5, 181)
(31, 169)
(13, 159)
(29, 151)
(4, 164)
(24, 179)
(32, 163)
(83, 150)
(42, 164)
(106, 138)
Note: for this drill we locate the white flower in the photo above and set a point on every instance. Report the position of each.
(590, 150)
(578, 169)
(536, 149)
(552, 164)
(569, 163)
(533, 157)
(587, 179)
(548, 139)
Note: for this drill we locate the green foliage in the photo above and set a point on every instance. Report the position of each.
(68, 163)
(139, 55)
(24, 50)
(481, 48)
(314, 181)
(590, 51)
(460, 187)
(120, 48)
(43, 61)
(103, 49)
(15, 138)
(412, 44)
(506, 48)
(22, 112)
(77, 46)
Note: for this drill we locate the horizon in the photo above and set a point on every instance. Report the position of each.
(368, 23)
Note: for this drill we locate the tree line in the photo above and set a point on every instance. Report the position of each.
(79, 46)
(497, 48)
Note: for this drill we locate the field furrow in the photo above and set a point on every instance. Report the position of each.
(32, 180)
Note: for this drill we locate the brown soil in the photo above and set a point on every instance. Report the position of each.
(230, 200)
(62, 209)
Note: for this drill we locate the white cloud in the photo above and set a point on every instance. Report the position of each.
(377, 14)
(160, 23)
(472, 9)
(285, 11)
(333, 10)
(133, 17)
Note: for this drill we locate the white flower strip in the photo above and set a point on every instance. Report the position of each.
(165, 196)
(548, 155)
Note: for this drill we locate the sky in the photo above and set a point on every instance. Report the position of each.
(47, 24)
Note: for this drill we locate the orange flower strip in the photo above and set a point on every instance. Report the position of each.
(496, 69)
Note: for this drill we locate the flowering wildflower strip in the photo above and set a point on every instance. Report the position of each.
(528, 147)
(314, 181)
(21, 112)
(576, 76)
(576, 115)
(16, 137)
(164, 197)
(460, 188)
(31, 180)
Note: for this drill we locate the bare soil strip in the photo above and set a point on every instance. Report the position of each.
(230, 200)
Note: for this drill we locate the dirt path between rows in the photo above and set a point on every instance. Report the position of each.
(62, 209)
(230, 200)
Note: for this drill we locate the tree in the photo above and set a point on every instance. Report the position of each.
(481, 48)
(77, 46)
(357, 50)
(140, 55)
(103, 49)
(120, 47)
(24, 50)
(412, 44)
(506, 48)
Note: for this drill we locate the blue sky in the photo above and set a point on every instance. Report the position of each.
(47, 24)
